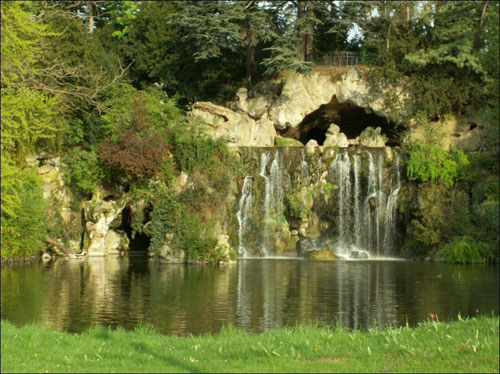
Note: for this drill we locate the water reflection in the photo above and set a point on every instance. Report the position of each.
(254, 294)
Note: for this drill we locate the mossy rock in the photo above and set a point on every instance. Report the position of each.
(321, 255)
(287, 142)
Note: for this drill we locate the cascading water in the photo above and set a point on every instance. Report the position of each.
(364, 228)
(276, 180)
(357, 207)
(245, 204)
(380, 200)
(343, 168)
(264, 159)
(358, 215)
(273, 197)
(390, 208)
(304, 166)
(371, 193)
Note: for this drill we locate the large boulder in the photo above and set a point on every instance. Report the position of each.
(301, 95)
(335, 138)
(354, 88)
(468, 133)
(371, 137)
(236, 128)
(100, 215)
(172, 254)
(59, 199)
(115, 242)
(320, 255)
(224, 250)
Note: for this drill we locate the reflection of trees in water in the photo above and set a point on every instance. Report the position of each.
(254, 294)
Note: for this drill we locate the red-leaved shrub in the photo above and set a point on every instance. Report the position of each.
(138, 157)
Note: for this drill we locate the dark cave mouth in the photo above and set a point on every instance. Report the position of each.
(139, 242)
(351, 119)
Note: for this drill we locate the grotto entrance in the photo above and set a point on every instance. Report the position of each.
(140, 241)
(351, 119)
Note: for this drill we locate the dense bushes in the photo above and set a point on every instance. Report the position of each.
(459, 224)
(24, 225)
(137, 157)
(429, 162)
(84, 171)
(171, 216)
(191, 214)
(464, 249)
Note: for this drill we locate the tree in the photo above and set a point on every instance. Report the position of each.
(429, 47)
(29, 113)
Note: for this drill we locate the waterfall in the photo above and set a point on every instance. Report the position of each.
(242, 215)
(380, 199)
(390, 208)
(276, 181)
(360, 217)
(365, 211)
(264, 160)
(304, 167)
(343, 164)
(357, 208)
(371, 192)
(273, 197)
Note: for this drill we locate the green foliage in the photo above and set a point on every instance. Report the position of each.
(84, 170)
(24, 225)
(428, 162)
(136, 123)
(444, 213)
(163, 27)
(30, 116)
(21, 48)
(190, 214)
(284, 56)
(125, 17)
(463, 249)
(140, 110)
(328, 187)
(165, 215)
(287, 142)
(297, 208)
(469, 210)
(191, 149)
(443, 53)
(171, 216)
(30, 120)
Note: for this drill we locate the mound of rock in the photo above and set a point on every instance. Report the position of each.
(320, 255)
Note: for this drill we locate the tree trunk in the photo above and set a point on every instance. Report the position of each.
(309, 39)
(90, 17)
(301, 12)
(387, 39)
(477, 40)
(250, 58)
(405, 11)
(58, 245)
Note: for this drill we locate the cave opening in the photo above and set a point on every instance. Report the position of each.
(139, 242)
(351, 119)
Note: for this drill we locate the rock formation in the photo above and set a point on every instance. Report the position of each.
(256, 115)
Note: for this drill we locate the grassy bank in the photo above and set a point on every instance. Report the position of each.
(461, 346)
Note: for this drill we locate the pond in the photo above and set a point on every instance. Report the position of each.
(255, 294)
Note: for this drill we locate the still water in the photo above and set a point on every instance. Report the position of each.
(258, 294)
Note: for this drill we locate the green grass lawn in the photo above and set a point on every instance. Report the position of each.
(463, 346)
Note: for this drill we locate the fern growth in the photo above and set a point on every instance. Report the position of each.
(428, 162)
